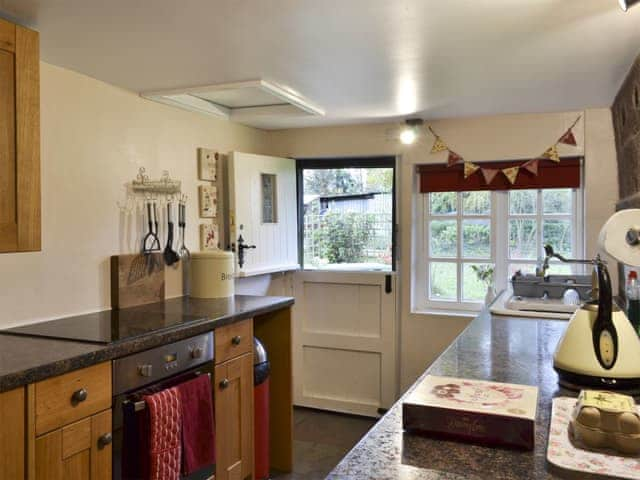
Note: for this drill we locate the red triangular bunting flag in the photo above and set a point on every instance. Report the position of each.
(532, 166)
(568, 138)
(453, 158)
(489, 174)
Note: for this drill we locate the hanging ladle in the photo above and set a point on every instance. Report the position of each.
(183, 251)
(170, 256)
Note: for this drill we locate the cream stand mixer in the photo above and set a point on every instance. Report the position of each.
(600, 347)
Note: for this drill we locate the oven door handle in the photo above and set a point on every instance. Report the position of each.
(141, 404)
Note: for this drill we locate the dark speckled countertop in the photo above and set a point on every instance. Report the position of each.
(502, 349)
(25, 359)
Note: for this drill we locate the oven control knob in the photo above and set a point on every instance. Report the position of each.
(145, 370)
(196, 352)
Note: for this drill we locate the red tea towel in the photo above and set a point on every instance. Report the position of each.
(164, 434)
(198, 427)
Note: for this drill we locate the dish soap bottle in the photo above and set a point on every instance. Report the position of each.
(633, 300)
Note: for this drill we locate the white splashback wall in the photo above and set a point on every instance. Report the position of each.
(94, 139)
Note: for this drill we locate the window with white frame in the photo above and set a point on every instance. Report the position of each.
(504, 229)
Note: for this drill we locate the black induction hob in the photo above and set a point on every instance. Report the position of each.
(105, 327)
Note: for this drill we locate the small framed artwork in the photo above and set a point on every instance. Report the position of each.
(209, 237)
(207, 164)
(269, 198)
(208, 195)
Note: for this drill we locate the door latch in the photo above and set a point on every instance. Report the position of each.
(242, 246)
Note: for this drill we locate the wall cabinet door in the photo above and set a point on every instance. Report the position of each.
(19, 139)
(79, 451)
(234, 418)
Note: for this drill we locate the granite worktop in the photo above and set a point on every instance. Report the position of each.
(495, 348)
(27, 359)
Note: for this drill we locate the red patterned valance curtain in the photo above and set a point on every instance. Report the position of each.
(441, 178)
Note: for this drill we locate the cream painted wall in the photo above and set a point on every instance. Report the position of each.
(94, 139)
(424, 336)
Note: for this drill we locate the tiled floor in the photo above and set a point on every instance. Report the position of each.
(321, 439)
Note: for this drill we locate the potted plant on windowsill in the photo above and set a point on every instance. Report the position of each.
(485, 275)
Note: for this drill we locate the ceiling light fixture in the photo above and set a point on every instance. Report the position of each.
(409, 134)
(626, 4)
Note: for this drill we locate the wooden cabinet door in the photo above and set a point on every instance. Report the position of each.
(12, 434)
(19, 139)
(79, 451)
(234, 418)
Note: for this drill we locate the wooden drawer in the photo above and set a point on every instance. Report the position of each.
(233, 340)
(59, 400)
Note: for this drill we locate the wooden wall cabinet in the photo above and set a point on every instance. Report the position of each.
(19, 139)
(233, 396)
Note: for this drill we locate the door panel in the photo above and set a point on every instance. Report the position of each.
(345, 341)
(8, 208)
(75, 452)
(276, 242)
(234, 418)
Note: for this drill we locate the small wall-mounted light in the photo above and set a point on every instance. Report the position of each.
(409, 134)
(626, 4)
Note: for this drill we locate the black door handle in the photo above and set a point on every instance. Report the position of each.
(387, 284)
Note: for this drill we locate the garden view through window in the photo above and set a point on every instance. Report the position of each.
(505, 230)
(347, 216)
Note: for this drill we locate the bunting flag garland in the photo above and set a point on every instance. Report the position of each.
(439, 146)
(489, 174)
(453, 158)
(532, 166)
(568, 138)
(551, 153)
(470, 169)
(511, 174)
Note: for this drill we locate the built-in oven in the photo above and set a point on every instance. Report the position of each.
(144, 373)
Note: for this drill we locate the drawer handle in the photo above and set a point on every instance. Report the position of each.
(79, 396)
(236, 340)
(105, 440)
(224, 384)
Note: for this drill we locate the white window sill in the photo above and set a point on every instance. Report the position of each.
(446, 312)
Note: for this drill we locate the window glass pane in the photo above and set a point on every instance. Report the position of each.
(444, 203)
(443, 281)
(559, 268)
(444, 238)
(557, 201)
(476, 238)
(523, 267)
(557, 233)
(348, 218)
(473, 289)
(476, 203)
(522, 239)
(522, 202)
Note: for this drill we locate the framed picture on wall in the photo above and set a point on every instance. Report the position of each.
(207, 164)
(208, 196)
(209, 237)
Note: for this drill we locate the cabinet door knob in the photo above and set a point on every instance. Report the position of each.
(236, 340)
(79, 396)
(105, 440)
(224, 383)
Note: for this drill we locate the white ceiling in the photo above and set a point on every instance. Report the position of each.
(360, 60)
